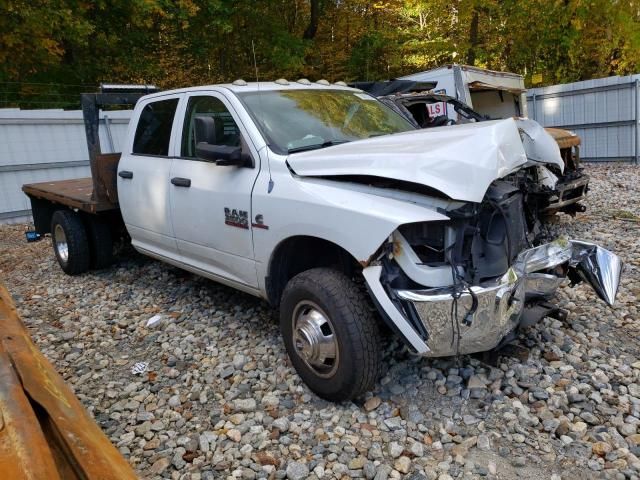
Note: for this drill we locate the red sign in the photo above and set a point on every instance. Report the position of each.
(437, 109)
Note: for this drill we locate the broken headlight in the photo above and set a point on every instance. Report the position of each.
(428, 241)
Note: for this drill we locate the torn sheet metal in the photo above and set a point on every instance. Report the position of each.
(487, 313)
(45, 432)
(538, 144)
(598, 267)
(460, 161)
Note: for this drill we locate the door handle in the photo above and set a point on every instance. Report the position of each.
(125, 174)
(181, 182)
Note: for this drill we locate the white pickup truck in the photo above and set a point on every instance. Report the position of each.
(333, 208)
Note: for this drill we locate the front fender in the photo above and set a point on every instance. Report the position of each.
(356, 221)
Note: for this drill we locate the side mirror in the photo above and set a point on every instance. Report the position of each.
(222, 155)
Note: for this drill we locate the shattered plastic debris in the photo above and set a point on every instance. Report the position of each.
(139, 368)
(153, 320)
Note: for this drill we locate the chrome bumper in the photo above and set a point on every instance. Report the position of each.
(500, 302)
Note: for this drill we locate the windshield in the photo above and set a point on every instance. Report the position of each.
(298, 120)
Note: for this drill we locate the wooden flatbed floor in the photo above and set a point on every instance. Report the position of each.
(75, 193)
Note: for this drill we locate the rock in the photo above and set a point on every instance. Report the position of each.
(234, 435)
(203, 443)
(633, 440)
(369, 470)
(357, 463)
(159, 466)
(270, 401)
(383, 472)
(579, 428)
(177, 461)
(601, 448)
(627, 429)
(393, 423)
(590, 418)
(281, 424)
(395, 449)
(372, 403)
(475, 382)
(297, 471)
(484, 443)
(245, 405)
(417, 449)
(264, 458)
(402, 464)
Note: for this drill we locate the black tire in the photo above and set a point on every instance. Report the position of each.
(74, 235)
(354, 326)
(100, 243)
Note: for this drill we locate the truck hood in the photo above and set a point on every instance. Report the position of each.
(540, 145)
(460, 161)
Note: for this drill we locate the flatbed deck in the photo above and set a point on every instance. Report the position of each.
(74, 193)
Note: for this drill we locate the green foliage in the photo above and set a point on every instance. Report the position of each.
(73, 45)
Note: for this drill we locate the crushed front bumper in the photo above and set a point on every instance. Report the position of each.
(435, 323)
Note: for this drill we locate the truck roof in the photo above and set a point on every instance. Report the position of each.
(470, 69)
(476, 78)
(240, 86)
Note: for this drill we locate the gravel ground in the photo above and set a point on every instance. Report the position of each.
(220, 398)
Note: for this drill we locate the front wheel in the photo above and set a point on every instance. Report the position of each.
(330, 334)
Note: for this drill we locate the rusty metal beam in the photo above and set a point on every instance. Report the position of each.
(45, 432)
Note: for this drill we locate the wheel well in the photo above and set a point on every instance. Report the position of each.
(297, 254)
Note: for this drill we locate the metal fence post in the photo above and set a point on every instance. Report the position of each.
(637, 130)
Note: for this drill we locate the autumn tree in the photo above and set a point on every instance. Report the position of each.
(52, 50)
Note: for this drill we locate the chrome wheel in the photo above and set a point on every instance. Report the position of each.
(314, 339)
(60, 242)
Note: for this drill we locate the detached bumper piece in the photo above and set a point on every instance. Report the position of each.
(568, 194)
(45, 433)
(477, 318)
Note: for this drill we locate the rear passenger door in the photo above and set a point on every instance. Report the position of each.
(143, 176)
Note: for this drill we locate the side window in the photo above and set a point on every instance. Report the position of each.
(154, 128)
(226, 129)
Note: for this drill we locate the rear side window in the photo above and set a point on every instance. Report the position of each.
(154, 128)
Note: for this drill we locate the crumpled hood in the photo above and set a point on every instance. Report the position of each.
(540, 146)
(460, 161)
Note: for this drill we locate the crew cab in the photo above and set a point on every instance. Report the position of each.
(332, 207)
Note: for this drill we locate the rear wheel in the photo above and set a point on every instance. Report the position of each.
(70, 243)
(330, 334)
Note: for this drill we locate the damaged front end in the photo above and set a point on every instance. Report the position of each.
(465, 285)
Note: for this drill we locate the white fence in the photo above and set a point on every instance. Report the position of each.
(42, 145)
(604, 112)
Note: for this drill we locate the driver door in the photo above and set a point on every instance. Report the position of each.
(211, 204)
